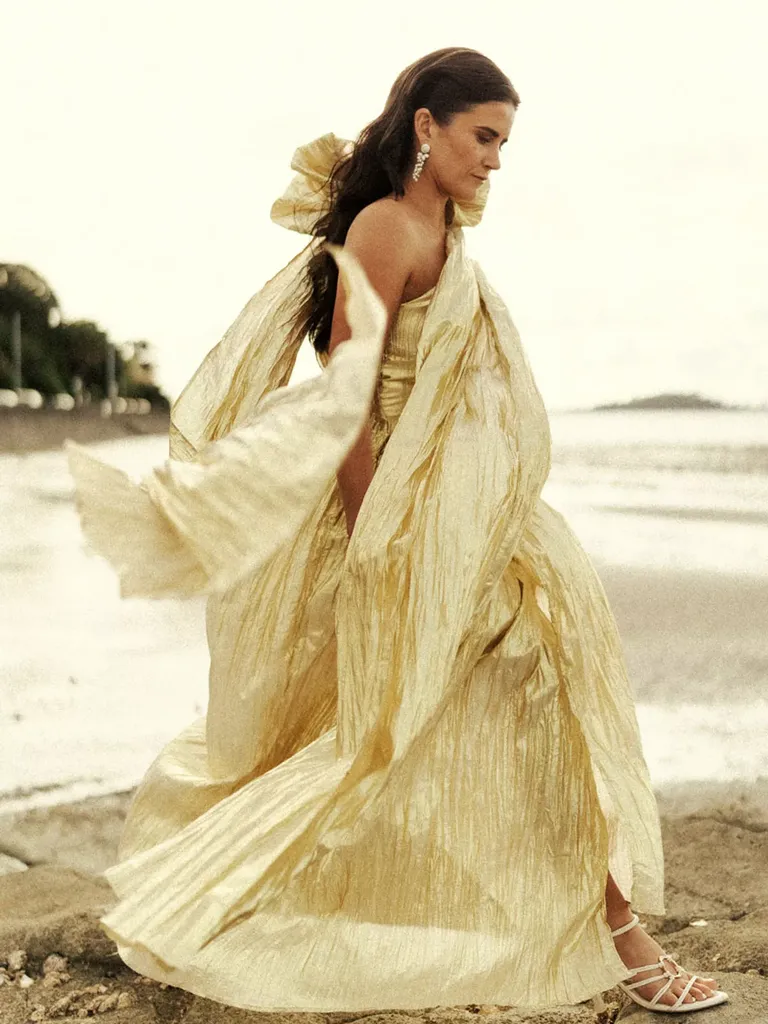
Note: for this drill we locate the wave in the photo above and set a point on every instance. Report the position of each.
(715, 458)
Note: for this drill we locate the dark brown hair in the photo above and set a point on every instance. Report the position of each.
(447, 82)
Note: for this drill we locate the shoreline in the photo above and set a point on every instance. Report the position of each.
(694, 642)
(23, 431)
(83, 834)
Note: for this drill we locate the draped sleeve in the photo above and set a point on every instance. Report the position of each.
(258, 352)
(200, 525)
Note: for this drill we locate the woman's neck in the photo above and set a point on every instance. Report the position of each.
(428, 204)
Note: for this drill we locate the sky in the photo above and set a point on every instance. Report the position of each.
(145, 142)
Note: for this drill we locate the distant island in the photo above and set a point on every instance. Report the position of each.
(673, 400)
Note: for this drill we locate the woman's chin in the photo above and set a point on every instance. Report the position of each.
(465, 193)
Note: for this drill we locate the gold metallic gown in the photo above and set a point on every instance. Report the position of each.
(420, 756)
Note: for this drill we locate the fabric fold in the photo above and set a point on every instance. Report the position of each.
(204, 525)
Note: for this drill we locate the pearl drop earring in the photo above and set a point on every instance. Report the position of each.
(421, 158)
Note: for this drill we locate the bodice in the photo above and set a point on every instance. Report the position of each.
(398, 363)
(398, 367)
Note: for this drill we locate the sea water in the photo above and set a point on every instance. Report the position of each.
(92, 686)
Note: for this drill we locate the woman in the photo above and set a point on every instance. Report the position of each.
(420, 777)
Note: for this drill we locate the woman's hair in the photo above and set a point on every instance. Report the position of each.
(447, 82)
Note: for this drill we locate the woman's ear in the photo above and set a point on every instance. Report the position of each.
(422, 123)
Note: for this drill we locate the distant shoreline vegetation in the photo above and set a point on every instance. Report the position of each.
(47, 362)
(674, 400)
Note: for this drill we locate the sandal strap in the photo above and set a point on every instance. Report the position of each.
(649, 967)
(686, 990)
(625, 928)
(650, 981)
(656, 998)
(660, 964)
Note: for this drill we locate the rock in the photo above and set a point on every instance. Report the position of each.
(10, 864)
(55, 910)
(55, 963)
(82, 835)
(86, 989)
(103, 1003)
(55, 979)
(740, 945)
(60, 1006)
(17, 960)
(702, 885)
(715, 875)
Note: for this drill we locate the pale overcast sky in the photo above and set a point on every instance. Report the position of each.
(146, 141)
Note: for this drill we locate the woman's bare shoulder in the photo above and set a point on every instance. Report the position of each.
(382, 215)
(381, 239)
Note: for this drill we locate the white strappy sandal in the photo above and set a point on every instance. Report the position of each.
(678, 1007)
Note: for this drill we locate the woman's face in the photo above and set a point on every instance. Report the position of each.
(466, 151)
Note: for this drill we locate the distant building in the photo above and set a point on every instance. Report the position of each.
(139, 360)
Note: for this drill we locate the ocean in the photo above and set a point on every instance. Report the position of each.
(92, 686)
(671, 489)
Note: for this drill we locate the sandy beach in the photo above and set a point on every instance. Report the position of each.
(691, 635)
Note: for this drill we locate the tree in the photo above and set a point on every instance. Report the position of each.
(60, 356)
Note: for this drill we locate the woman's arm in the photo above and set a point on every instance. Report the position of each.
(379, 238)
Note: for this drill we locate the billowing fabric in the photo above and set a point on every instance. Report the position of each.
(421, 755)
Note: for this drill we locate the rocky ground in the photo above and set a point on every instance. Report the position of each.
(56, 963)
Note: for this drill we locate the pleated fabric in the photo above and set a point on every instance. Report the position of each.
(421, 755)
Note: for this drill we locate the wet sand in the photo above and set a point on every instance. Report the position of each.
(709, 515)
(691, 635)
(695, 643)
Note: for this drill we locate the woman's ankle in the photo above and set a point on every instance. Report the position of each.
(619, 916)
(617, 910)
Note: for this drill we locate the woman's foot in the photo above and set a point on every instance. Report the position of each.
(636, 947)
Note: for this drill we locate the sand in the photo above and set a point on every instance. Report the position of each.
(716, 852)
